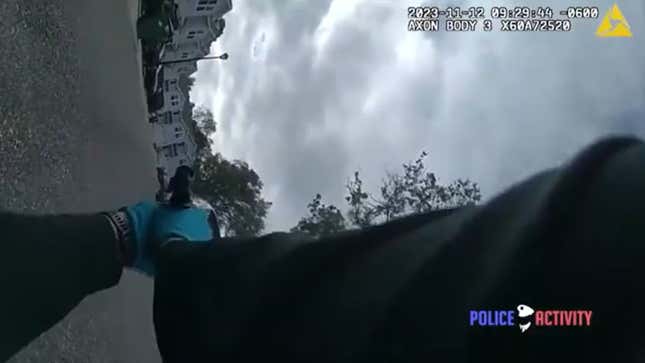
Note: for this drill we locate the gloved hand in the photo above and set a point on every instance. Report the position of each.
(153, 224)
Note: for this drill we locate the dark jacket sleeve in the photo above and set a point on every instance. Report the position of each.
(568, 238)
(48, 264)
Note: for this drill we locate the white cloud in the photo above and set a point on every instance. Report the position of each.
(335, 87)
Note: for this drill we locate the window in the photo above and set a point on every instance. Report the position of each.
(173, 82)
(200, 32)
(177, 129)
(167, 151)
(213, 2)
(209, 8)
(173, 97)
(190, 37)
(181, 148)
(200, 8)
(202, 2)
(182, 161)
(177, 136)
(176, 113)
(191, 32)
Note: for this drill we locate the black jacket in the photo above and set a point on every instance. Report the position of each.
(568, 238)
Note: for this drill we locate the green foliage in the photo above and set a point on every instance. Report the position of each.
(361, 211)
(423, 193)
(231, 187)
(414, 191)
(201, 140)
(322, 220)
(204, 119)
(235, 192)
(199, 119)
(203, 125)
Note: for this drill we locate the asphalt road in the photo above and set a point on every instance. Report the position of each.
(74, 138)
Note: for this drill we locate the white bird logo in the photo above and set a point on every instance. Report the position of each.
(524, 311)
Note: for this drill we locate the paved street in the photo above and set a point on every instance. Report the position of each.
(74, 138)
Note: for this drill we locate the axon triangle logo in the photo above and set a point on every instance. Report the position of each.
(614, 25)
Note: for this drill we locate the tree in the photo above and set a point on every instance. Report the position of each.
(361, 211)
(202, 141)
(322, 220)
(391, 203)
(414, 191)
(203, 125)
(235, 192)
(423, 193)
(201, 137)
(365, 209)
(204, 119)
(232, 188)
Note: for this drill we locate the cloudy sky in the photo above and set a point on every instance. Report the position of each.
(317, 89)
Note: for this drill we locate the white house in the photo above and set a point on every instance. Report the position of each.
(200, 28)
(173, 98)
(216, 8)
(193, 37)
(171, 156)
(175, 145)
(195, 49)
(169, 117)
(199, 24)
(174, 70)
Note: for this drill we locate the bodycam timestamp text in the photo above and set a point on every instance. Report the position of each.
(497, 18)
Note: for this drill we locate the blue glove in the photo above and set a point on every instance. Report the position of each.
(154, 224)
